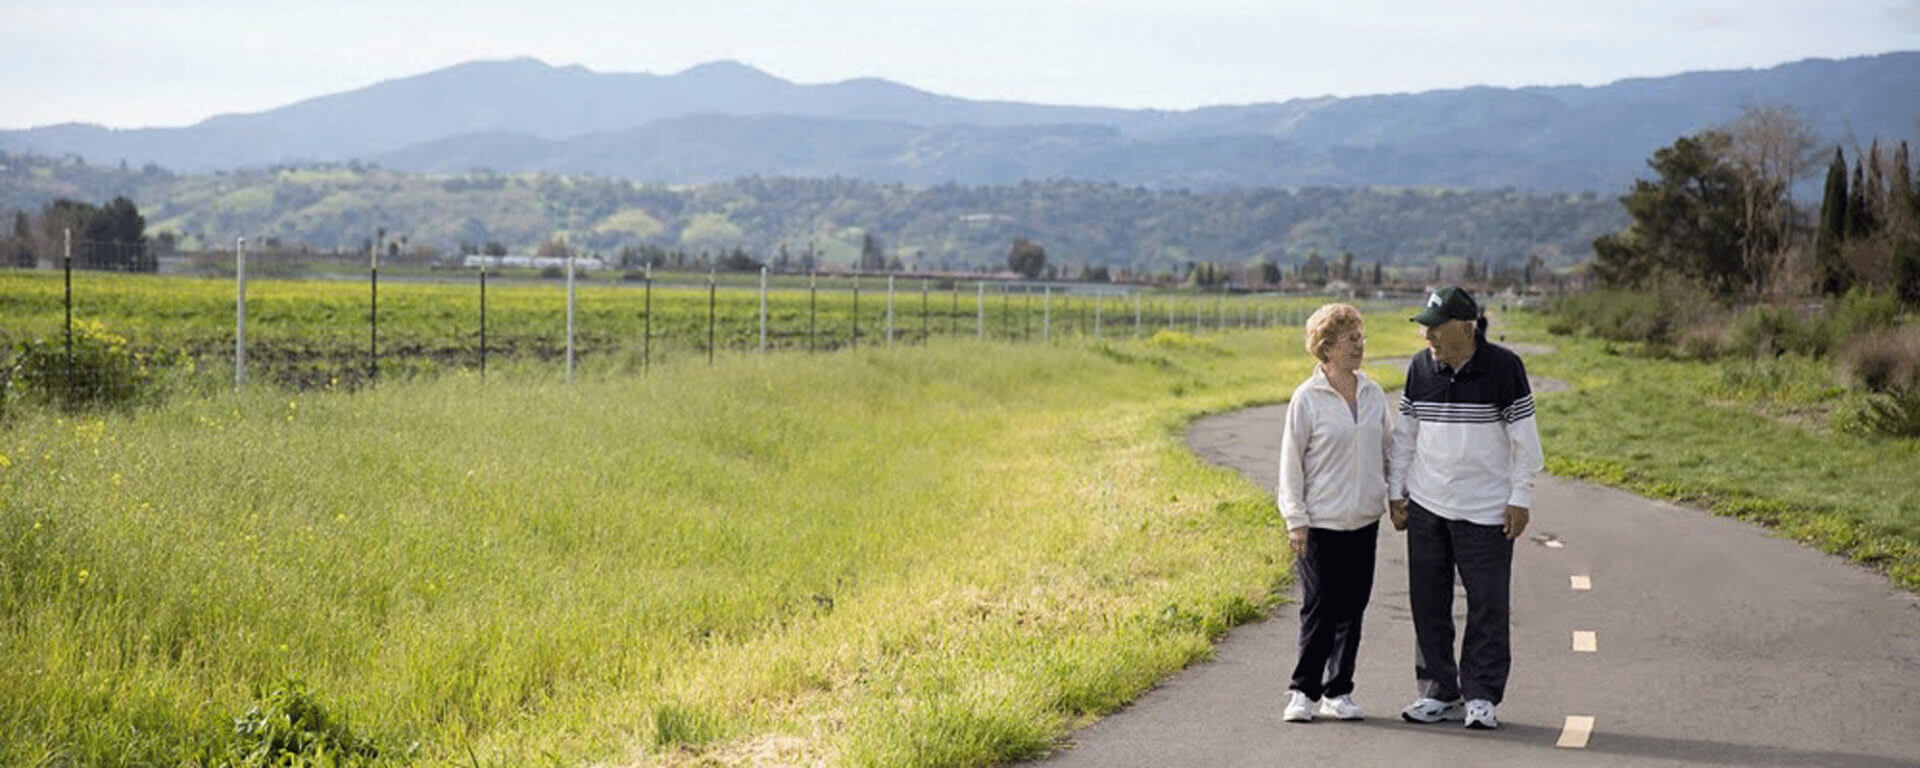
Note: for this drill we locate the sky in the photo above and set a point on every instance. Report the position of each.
(142, 64)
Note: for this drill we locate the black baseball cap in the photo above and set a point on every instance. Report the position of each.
(1448, 302)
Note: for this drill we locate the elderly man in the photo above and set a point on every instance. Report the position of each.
(1460, 482)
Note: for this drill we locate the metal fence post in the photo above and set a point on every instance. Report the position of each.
(373, 312)
(711, 316)
(763, 309)
(483, 321)
(856, 312)
(889, 310)
(570, 303)
(240, 313)
(67, 261)
(646, 323)
(1046, 314)
(980, 310)
(813, 299)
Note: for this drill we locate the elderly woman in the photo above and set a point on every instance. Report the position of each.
(1333, 492)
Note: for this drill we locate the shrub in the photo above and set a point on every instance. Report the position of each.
(291, 728)
(1885, 362)
(1861, 312)
(1771, 331)
(1658, 319)
(1886, 365)
(1895, 414)
(103, 372)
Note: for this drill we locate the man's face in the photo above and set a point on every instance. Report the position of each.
(1450, 339)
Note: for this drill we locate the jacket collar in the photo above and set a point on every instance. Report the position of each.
(1472, 366)
(1319, 379)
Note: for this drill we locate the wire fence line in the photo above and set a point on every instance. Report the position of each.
(309, 333)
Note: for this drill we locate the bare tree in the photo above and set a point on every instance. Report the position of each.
(1772, 149)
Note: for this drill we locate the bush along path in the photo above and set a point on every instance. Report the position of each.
(1644, 633)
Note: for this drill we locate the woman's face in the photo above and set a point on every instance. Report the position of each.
(1348, 350)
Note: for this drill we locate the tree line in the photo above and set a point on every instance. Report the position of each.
(1719, 214)
(1084, 226)
(110, 236)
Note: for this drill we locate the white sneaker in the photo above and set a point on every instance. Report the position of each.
(1341, 707)
(1426, 710)
(1299, 708)
(1480, 715)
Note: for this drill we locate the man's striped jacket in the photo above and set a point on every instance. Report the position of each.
(1466, 445)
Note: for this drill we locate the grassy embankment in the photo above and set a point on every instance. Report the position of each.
(1744, 438)
(943, 555)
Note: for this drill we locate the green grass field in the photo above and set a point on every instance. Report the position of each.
(918, 556)
(1743, 438)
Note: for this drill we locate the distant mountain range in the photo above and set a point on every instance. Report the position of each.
(726, 120)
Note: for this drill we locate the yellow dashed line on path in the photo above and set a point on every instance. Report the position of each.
(1582, 583)
(1574, 734)
(1585, 642)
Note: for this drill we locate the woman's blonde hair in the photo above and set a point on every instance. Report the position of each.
(1327, 324)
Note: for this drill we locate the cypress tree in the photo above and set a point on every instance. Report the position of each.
(1859, 217)
(1833, 227)
(1901, 189)
(1876, 189)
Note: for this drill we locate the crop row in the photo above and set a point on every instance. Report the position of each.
(304, 332)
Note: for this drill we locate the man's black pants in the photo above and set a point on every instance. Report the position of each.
(1483, 556)
(1336, 581)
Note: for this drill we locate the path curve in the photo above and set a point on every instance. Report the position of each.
(1716, 644)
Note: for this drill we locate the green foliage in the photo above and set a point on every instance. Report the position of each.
(1889, 414)
(677, 725)
(1831, 270)
(291, 728)
(1686, 224)
(1770, 330)
(1027, 258)
(1664, 320)
(1906, 267)
(102, 371)
(953, 226)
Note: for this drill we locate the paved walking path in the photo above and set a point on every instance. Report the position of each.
(1713, 643)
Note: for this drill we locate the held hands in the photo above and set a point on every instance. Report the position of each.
(1297, 539)
(1397, 512)
(1517, 518)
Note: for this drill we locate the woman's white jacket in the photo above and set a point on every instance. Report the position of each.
(1333, 463)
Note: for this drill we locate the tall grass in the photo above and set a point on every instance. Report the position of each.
(933, 556)
(1743, 437)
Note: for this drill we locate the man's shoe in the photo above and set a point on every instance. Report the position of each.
(1480, 715)
(1425, 710)
(1341, 707)
(1299, 708)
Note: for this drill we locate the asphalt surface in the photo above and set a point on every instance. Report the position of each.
(1715, 644)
